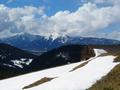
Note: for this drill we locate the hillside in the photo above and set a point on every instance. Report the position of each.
(16, 62)
(13, 60)
(63, 55)
(111, 81)
(62, 77)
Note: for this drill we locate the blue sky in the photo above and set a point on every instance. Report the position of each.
(95, 18)
(51, 6)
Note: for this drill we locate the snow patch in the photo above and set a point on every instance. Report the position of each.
(17, 83)
(99, 52)
(17, 63)
(82, 78)
(8, 65)
(21, 62)
(29, 61)
(63, 55)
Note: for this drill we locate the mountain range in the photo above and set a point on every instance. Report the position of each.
(36, 43)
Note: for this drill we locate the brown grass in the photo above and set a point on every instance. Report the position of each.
(41, 81)
(109, 82)
(117, 59)
(79, 66)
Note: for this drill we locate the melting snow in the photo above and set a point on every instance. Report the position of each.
(17, 83)
(63, 55)
(80, 79)
(99, 51)
(8, 65)
(21, 62)
(17, 63)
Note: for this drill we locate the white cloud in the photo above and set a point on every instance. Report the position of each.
(13, 19)
(101, 1)
(112, 35)
(112, 2)
(85, 21)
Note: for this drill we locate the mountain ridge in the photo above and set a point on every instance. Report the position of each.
(41, 43)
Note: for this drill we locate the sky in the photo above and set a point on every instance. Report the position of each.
(86, 18)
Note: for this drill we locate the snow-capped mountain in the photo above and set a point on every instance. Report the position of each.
(37, 43)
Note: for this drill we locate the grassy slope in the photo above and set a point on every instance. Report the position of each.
(117, 59)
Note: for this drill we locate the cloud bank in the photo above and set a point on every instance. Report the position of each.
(87, 20)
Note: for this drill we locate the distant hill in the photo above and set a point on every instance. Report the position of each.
(16, 62)
(62, 55)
